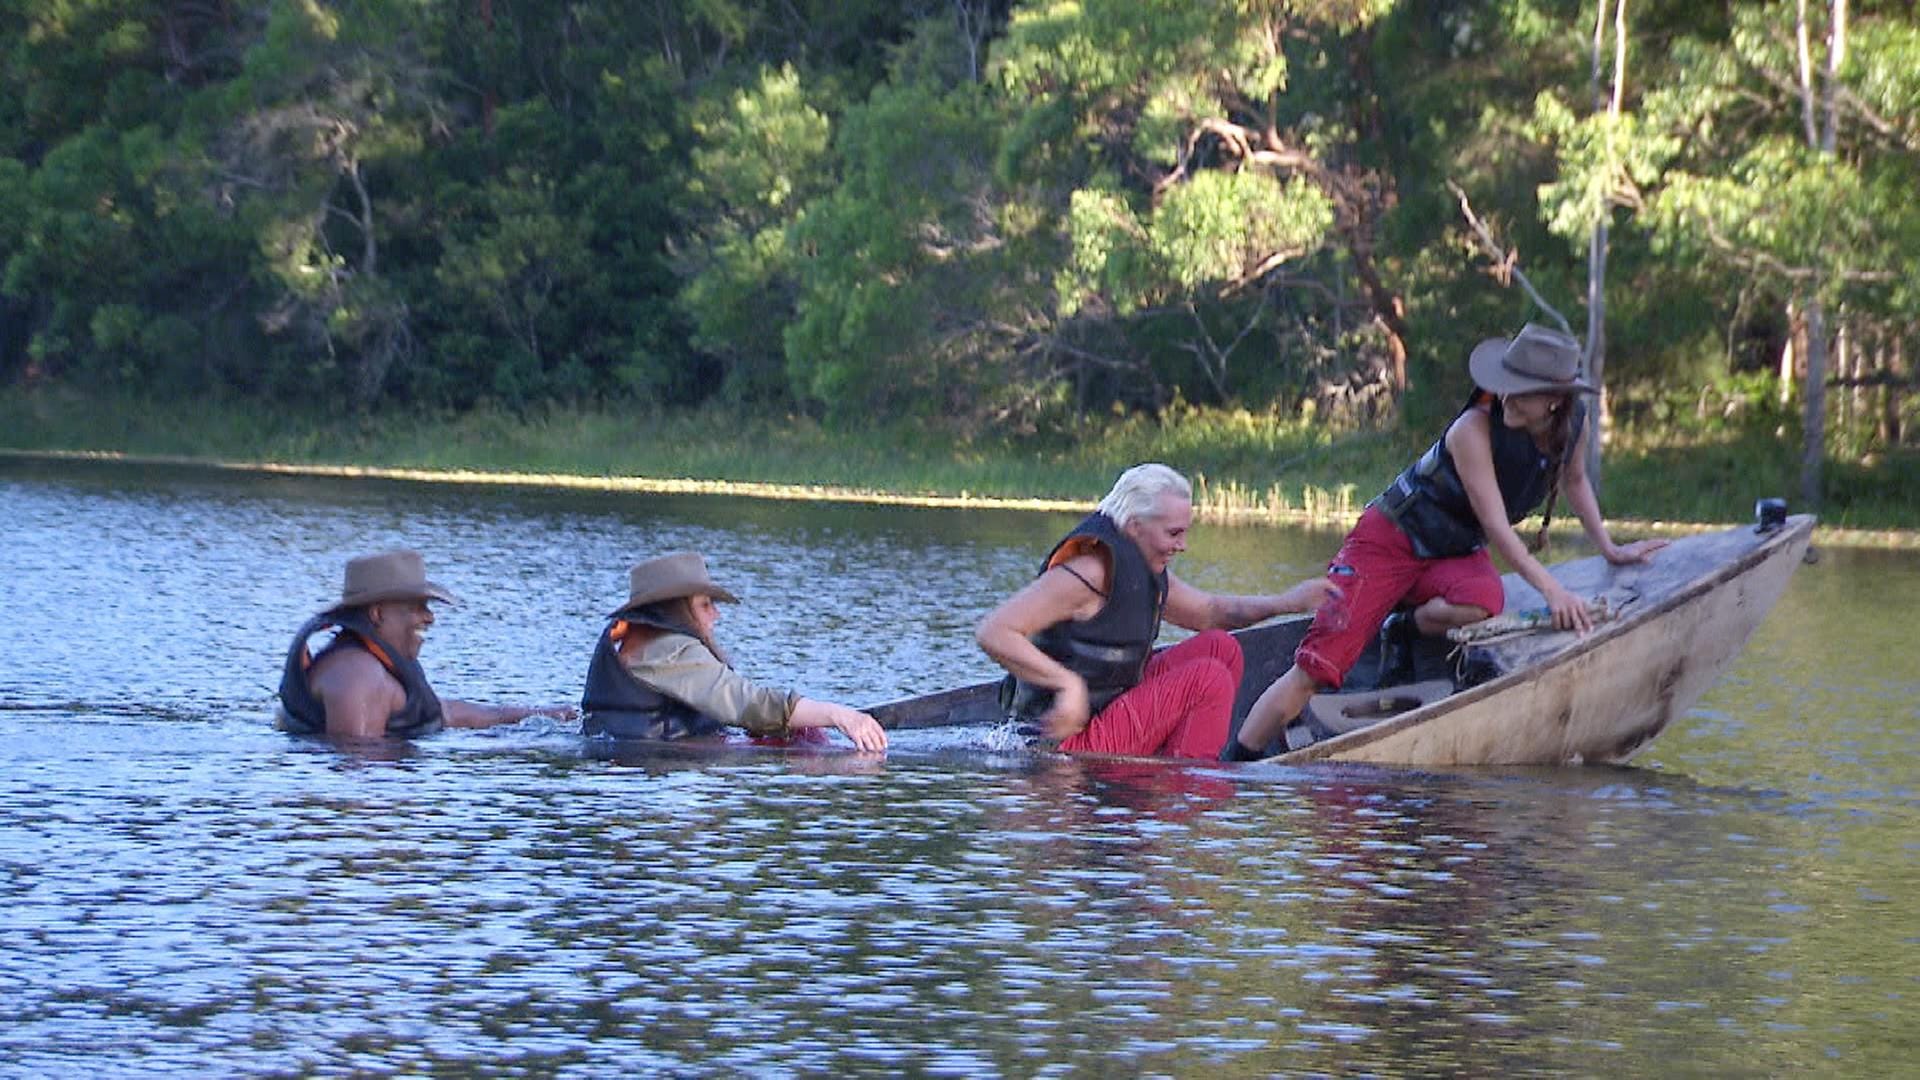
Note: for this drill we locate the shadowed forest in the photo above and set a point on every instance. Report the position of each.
(999, 222)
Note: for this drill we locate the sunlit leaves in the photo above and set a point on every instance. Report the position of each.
(761, 160)
(760, 157)
(1223, 226)
(1884, 69)
(1778, 210)
(1137, 84)
(1216, 230)
(897, 258)
(1746, 190)
(1604, 162)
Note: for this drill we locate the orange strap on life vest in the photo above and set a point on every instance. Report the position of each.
(378, 653)
(1074, 547)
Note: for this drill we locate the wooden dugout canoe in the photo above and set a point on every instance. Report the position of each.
(1545, 698)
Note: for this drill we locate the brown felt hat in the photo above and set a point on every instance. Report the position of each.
(388, 575)
(671, 577)
(1534, 360)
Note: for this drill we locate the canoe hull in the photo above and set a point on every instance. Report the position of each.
(1563, 699)
(1602, 698)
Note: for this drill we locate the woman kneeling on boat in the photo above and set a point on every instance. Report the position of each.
(658, 674)
(1078, 640)
(1423, 542)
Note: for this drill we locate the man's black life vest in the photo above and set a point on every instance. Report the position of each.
(303, 714)
(618, 706)
(1430, 504)
(1110, 650)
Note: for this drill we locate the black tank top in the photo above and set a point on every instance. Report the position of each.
(1430, 504)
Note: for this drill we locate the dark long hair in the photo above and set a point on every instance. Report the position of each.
(1561, 446)
(676, 615)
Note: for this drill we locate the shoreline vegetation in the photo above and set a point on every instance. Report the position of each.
(1247, 469)
(972, 250)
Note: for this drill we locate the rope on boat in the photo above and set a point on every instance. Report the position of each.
(1515, 624)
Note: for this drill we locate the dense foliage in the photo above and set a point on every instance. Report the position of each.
(991, 214)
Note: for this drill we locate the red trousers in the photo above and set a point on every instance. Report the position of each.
(1182, 707)
(1387, 573)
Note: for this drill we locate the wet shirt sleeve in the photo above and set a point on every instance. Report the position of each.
(687, 671)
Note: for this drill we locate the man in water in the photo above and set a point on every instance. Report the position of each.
(1078, 640)
(367, 682)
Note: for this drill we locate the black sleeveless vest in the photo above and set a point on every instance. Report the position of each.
(618, 706)
(1110, 650)
(303, 714)
(1430, 504)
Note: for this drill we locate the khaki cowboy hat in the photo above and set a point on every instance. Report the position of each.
(388, 575)
(671, 577)
(1536, 359)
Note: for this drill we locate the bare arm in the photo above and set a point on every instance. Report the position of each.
(862, 730)
(1471, 444)
(467, 714)
(357, 694)
(1586, 507)
(1005, 635)
(1197, 609)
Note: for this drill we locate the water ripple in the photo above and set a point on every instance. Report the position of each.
(184, 890)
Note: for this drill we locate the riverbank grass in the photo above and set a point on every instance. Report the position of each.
(1247, 467)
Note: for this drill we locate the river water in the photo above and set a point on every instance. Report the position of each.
(185, 890)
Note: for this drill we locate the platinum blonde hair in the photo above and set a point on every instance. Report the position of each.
(1138, 491)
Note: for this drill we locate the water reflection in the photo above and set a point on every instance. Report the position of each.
(183, 889)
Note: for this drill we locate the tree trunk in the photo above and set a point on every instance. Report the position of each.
(1597, 244)
(1387, 306)
(1890, 434)
(1853, 361)
(1813, 455)
(489, 103)
(1787, 353)
(1597, 346)
(369, 246)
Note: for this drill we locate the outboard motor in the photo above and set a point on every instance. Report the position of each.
(1769, 515)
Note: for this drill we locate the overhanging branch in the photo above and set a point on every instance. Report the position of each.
(1507, 263)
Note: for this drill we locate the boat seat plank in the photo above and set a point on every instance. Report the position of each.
(1341, 713)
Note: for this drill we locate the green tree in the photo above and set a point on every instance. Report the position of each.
(325, 98)
(112, 263)
(1793, 178)
(761, 162)
(1194, 167)
(513, 274)
(901, 263)
(117, 257)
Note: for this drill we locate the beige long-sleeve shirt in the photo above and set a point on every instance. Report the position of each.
(682, 668)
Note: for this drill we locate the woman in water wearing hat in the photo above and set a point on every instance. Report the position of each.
(657, 673)
(1520, 438)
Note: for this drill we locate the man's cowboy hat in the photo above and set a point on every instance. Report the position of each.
(389, 575)
(671, 577)
(1537, 359)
